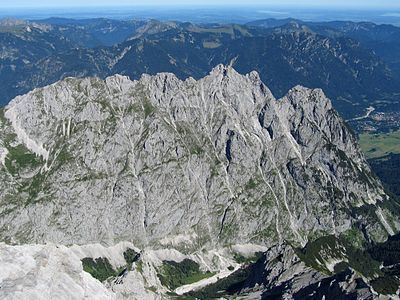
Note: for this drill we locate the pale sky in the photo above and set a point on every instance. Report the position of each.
(299, 3)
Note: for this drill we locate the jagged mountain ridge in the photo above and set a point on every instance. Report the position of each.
(215, 161)
(283, 56)
(91, 33)
(381, 38)
(352, 75)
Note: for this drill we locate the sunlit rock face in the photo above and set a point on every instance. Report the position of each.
(213, 162)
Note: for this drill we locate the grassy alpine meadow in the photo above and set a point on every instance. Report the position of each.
(380, 144)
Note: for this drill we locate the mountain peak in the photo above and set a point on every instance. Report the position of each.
(300, 96)
(222, 69)
(228, 71)
(173, 157)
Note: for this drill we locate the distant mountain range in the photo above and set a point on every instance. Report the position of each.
(354, 63)
(383, 39)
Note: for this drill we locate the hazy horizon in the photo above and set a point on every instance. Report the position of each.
(355, 4)
(205, 12)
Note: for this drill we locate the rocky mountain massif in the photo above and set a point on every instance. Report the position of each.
(348, 69)
(197, 188)
(383, 39)
(25, 46)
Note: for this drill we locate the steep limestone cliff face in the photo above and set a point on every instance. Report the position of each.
(215, 161)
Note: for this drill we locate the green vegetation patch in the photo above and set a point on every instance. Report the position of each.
(131, 256)
(139, 266)
(33, 187)
(232, 30)
(378, 145)
(196, 150)
(174, 296)
(228, 285)
(240, 259)
(148, 108)
(364, 258)
(387, 252)
(221, 29)
(354, 236)
(64, 156)
(387, 285)
(387, 169)
(2, 117)
(100, 268)
(316, 253)
(173, 274)
(362, 262)
(251, 184)
(19, 157)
